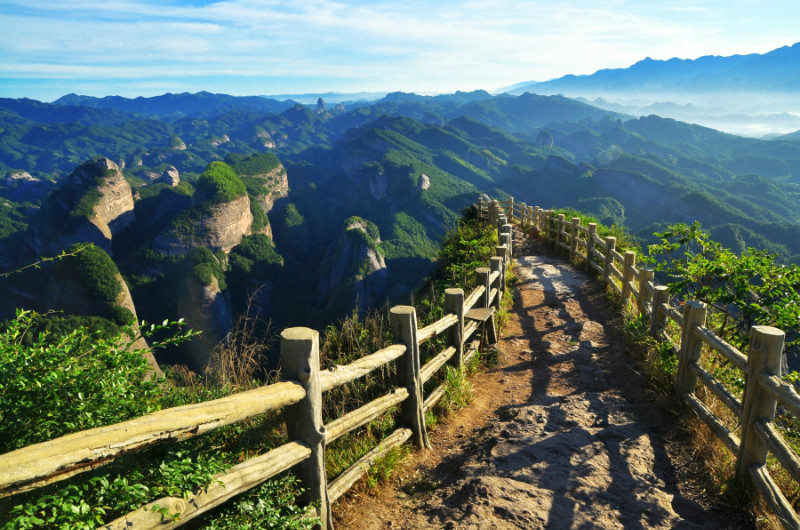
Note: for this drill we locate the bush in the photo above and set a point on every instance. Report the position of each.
(219, 183)
(93, 267)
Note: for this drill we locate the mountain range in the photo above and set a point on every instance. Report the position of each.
(207, 205)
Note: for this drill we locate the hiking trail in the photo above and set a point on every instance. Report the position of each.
(561, 433)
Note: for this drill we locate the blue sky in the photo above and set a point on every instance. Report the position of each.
(248, 47)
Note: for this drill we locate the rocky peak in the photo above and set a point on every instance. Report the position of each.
(320, 106)
(171, 176)
(95, 203)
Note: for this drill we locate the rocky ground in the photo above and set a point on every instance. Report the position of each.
(561, 433)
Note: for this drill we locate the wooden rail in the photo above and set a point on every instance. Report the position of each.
(300, 395)
(756, 435)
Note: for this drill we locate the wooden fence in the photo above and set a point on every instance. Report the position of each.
(764, 389)
(300, 394)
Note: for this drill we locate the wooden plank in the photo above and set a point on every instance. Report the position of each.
(634, 289)
(778, 446)
(617, 289)
(350, 476)
(774, 497)
(718, 389)
(362, 415)
(47, 462)
(493, 277)
(616, 272)
(784, 392)
(440, 326)
(430, 368)
(469, 329)
(563, 245)
(730, 440)
(617, 256)
(223, 487)
(597, 267)
(673, 313)
(474, 297)
(493, 294)
(338, 375)
(731, 353)
(583, 229)
(599, 240)
(433, 398)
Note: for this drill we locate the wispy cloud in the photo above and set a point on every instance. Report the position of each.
(132, 44)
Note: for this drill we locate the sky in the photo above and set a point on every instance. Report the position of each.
(130, 48)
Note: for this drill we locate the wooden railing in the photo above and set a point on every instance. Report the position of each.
(300, 395)
(764, 389)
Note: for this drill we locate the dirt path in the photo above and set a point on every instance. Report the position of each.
(560, 435)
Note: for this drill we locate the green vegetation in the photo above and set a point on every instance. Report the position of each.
(219, 183)
(203, 266)
(93, 268)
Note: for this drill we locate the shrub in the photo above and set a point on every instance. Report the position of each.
(219, 183)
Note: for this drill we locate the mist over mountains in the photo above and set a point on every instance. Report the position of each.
(303, 213)
(753, 94)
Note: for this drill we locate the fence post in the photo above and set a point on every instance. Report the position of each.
(403, 319)
(497, 264)
(454, 303)
(482, 274)
(658, 319)
(523, 214)
(590, 245)
(573, 242)
(645, 276)
(494, 211)
(559, 228)
(611, 244)
(694, 314)
(627, 276)
(758, 405)
(300, 362)
(537, 218)
(511, 207)
(506, 238)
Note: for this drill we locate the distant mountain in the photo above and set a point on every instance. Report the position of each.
(176, 106)
(308, 98)
(776, 71)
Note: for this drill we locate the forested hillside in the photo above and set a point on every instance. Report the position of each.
(302, 213)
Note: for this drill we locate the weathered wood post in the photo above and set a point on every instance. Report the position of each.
(694, 314)
(573, 241)
(645, 277)
(627, 276)
(511, 208)
(403, 319)
(531, 220)
(758, 405)
(590, 245)
(494, 211)
(454, 303)
(611, 244)
(523, 214)
(658, 319)
(482, 275)
(300, 362)
(506, 238)
(498, 265)
(559, 229)
(537, 217)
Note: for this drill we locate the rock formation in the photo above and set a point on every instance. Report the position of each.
(217, 227)
(170, 176)
(95, 203)
(206, 308)
(354, 271)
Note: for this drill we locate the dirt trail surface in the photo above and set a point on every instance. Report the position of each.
(560, 435)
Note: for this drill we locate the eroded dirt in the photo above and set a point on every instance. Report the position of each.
(560, 435)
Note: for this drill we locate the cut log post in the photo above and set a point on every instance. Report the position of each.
(694, 314)
(627, 276)
(497, 264)
(758, 405)
(404, 331)
(454, 303)
(645, 277)
(611, 244)
(559, 229)
(523, 214)
(510, 208)
(573, 237)
(505, 241)
(300, 362)
(537, 218)
(658, 319)
(494, 211)
(482, 274)
(590, 246)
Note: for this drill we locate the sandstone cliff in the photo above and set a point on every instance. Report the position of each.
(354, 272)
(206, 308)
(215, 226)
(95, 203)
